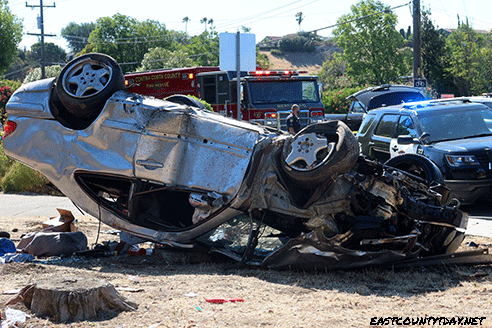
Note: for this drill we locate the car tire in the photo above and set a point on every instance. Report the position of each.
(319, 152)
(445, 240)
(417, 165)
(87, 82)
(186, 100)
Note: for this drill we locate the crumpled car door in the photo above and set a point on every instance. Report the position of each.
(192, 149)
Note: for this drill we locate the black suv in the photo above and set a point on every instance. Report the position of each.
(456, 135)
(375, 97)
(384, 95)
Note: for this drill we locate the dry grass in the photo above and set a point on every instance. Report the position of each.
(174, 295)
(312, 62)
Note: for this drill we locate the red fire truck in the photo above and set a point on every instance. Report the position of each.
(266, 98)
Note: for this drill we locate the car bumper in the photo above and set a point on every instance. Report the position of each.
(469, 191)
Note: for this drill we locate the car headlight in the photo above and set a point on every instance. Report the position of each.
(461, 160)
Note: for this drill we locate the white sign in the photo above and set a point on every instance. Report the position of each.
(420, 83)
(247, 53)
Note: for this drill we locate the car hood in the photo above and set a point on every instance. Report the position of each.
(464, 145)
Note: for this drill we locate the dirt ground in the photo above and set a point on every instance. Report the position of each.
(171, 291)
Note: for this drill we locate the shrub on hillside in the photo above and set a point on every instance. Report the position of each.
(335, 101)
(297, 44)
(50, 71)
(262, 61)
(5, 94)
(7, 88)
(16, 177)
(276, 52)
(206, 104)
(5, 162)
(21, 178)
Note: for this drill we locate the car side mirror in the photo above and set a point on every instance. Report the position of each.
(424, 138)
(406, 140)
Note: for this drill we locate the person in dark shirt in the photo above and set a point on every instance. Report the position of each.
(293, 124)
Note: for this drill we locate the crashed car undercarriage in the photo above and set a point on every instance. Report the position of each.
(174, 173)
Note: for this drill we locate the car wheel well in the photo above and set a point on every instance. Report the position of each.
(61, 114)
(417, 165)
(338, 156)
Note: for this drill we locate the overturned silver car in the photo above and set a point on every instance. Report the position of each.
(170, 171)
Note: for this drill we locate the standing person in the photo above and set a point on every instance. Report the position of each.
(293, 124)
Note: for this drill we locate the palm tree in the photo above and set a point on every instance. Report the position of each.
(299, 19)
(204, 20)
(211, 22)
(186, 20)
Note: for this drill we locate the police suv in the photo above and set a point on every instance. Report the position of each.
(456, 135)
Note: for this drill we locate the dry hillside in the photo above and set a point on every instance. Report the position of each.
(312, 62)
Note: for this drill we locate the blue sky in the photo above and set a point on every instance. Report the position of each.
(265, 18)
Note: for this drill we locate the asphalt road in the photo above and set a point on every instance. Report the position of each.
(480, 223)
(17, 206)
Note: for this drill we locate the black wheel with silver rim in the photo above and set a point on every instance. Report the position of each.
(319, 152)
(87, 82)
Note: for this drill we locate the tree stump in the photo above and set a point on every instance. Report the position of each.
(72, 298)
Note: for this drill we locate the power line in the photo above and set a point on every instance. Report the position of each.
(219, 27)
(255, 16)
(268, 17)
(18, 71)
(154, 38)
(359, 18)
(158, 60)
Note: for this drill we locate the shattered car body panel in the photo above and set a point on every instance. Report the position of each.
(177, 146)
(172, 173)
(151, 133)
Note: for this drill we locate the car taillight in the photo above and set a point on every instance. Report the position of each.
(271, 115)
(316, 113)
(9, 127)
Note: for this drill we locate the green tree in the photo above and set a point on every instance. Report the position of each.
(77, 35)
(331, 71)
(53, 54)
(402, 32)
(435, 59)
(486, 58)
(10, 35)
(371, 43)
(204, 21)
(163, 58)
(466, 48)
(204, 49)
(408, 35)
(186, 19)
(127, 40)
(19, 67)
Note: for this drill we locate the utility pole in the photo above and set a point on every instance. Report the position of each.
(238, 74)
(41, 27)
(417, 41)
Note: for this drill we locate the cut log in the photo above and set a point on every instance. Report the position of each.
(66, 299)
